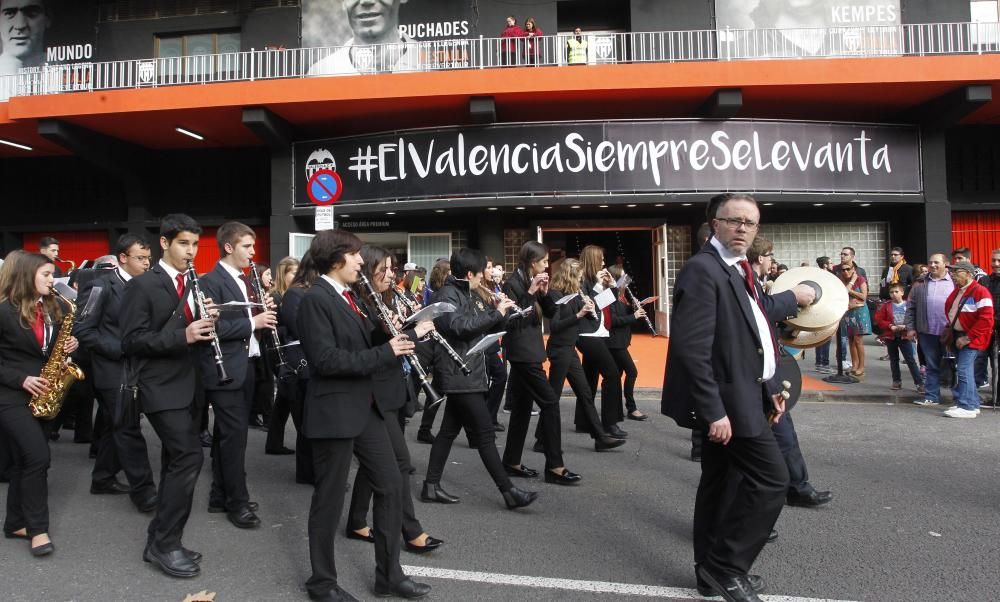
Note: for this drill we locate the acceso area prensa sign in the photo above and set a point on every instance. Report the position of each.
(617, 157)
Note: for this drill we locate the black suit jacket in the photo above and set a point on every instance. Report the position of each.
(152, 323)
(523, 341)
(233, 328)
(99, 332)
(622, 319)
(390, 382)
(716, 357)
(20, 355)
(338, 346)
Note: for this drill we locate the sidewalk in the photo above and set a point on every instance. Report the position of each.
(650, 355)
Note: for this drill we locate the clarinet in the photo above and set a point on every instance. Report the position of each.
(515, 312)
(199, 299)
(409, 303)
(436, 335)
(433, 397)
(258, 286)
(636, 306)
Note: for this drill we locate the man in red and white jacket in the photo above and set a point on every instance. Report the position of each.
(970, 310)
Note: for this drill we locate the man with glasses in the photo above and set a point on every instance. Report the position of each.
(926, 320)
(120, 446)
(898, 272)
(721, 379)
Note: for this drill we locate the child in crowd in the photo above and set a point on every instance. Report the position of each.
(890, 320)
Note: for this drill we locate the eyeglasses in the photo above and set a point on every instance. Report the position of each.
(893, 254)
(845, 254)
(736, 223)
(767, 254)
(140, 258)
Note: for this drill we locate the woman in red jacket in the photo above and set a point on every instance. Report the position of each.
(533, 33)
(511, 47)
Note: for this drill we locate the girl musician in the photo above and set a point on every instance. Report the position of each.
(275, 442)
(30, 318)
(466, 403)
(563, 362)
(495, 365)
(623, 316)
(390, 398)
(528, 286)
(597, 358)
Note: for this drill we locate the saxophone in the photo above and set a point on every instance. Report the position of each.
(59, 370)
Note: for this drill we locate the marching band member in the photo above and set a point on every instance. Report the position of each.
(30, 318)
(342, 417)
(159, 328)
(275, 442)
(622, 319)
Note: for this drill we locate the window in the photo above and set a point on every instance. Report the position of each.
(425, 249)
(298, 243)
(197, 56)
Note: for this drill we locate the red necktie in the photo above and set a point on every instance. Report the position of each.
(39, 325)
(180, 295)
(350, 299)
(606, 313)
(749, 283)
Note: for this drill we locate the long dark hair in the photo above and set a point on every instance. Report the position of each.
(373, 257)
(530, 252)
(307, 274)
(21, 291)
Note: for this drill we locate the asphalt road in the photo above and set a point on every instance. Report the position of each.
(914, 519)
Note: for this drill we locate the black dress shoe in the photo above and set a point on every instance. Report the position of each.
(772, 536)
(811, 500)
(432, 492)
(522, 471)
(352, 534)
(194, 556)
(281, 451)
(216, 508)
(756, 584)
(616, 431)
(244, 518)
(538, 447)
(175, 563)
(407, 588)
(43, 550)
(148, 504)
(337, 594)
(606, 442)
(425, 437)
(518, 498)
(112, 487)
(499, 427)
(639, 418)
(732, 589)
(565, 478)
(430, 544)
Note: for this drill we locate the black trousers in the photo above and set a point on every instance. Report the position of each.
(263, 391)
(304, 472)
(428, 416)
(122, 448)
(361, 497)
(496, 369)
(528, 385)
(279, 417)
(378, 465)
(623, 359)
(181, 459)
(563, 364)
(27, 441)
(229, 445)
(740, 495)
(788, 443)
(468, 410)
(597, 360)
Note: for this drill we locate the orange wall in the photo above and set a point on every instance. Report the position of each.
(77, 246)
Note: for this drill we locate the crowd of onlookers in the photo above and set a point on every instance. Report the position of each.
(938, 316)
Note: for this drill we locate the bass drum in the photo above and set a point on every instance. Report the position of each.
(789, 372)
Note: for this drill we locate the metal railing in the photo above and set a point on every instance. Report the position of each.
(487, 53)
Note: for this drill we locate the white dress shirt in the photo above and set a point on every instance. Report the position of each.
(173, 279)
(240, 284)
(763, 328)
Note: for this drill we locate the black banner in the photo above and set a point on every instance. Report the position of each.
(616, 156)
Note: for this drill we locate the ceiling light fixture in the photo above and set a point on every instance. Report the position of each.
(491, 208)
(630, 205)
(604, 206)
(574, 206)
(390, 213)
(818, 204)
(194, 135)
(658, 205)
(768, 204)
(519, 208)
(16, 145)
(439, 211)
(547, 207)
(865, 204)
(685, 204)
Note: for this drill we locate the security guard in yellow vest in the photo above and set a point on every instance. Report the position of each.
(576, 48)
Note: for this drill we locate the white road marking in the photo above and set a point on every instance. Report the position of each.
(599, 587)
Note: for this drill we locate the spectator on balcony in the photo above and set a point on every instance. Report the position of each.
(512, 45)
(22, 34)
(576, 48)
(532, 32)
(378, 45)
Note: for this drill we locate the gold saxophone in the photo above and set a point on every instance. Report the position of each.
(59, 370)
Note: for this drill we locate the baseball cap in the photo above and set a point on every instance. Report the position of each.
(409, 266)
(963, 265)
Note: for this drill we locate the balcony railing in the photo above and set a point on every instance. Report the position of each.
(487, 53)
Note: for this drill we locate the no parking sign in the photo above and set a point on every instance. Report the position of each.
(324, 187)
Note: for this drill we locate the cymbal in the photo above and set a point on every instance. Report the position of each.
(804, 339)
(831, 298)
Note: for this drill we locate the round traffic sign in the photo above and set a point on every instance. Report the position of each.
(324, 187)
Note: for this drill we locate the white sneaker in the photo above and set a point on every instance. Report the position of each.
(926, 402)
(961, 413)
(847, 365)
(984, 386)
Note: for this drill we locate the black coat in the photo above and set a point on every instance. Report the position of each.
(152, 323)
(590, 324)
(716, 357)
(463, 328)
(564, 326)
(234, 329)
(523, 341)
(288, 313)
(99, 332)
(337, 342)
(20, 355)
(390, 382)
(622, 319)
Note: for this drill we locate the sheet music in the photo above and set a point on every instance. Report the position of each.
(567, 299)
(604, 299)
(430, 312)
(485, 342)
